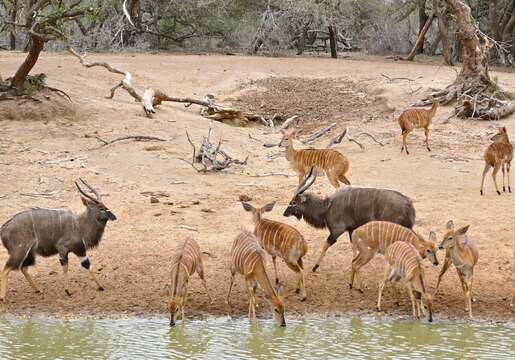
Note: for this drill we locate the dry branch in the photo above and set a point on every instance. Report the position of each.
(346, 134)
(130, 137)
(318, 134)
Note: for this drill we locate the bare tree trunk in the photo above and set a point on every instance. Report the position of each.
(18, 81)
(431, 50)
(12, 36)
(422, 19)
(442, 31)
(421, 37)
(492, 19)
(332, 39)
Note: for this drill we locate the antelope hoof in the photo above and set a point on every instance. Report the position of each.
(503, 189)
(509, 189)
(297, 291)
(378, 309)
(498, 192)
(67, 292)
(277, 281)
(428, 148)
(481, 192)
(303, 299)
(100, 288)
(315, 268)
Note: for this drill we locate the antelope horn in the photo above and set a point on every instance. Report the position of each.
(307, 182)
(92, 189)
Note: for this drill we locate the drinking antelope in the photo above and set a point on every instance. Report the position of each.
(186, 260)
(281, 240)
(463, 253)
(47, 232)
(404, 262)
(333, 163)
(412, 119)
(348, 209)
(375, 237)
(248, 259)
(498, 155)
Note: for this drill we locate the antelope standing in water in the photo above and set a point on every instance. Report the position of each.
(48, 232)
(186, 260)
(332, 162)
(248, 259)
(463, 253)
(375, 237)
(498, 155)
(412, 119)
(281, 240)
(404, 262)
(347, 209)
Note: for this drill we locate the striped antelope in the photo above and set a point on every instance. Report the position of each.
(248, 259)
(48, 232)
(333, 163)
(412, 119)
(404, 262)
(498, 155)
(375, 237)
(347, 209)
(186, 260)
(281, 240)
(463, 253)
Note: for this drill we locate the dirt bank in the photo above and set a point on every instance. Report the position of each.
(133, 257)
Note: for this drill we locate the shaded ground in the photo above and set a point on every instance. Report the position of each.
(44, 157)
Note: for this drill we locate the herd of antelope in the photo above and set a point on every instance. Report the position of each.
(377, 221)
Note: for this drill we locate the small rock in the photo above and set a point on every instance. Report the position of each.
(158, 214)
(207, 210)
(244, 197)
(154, 200)
(196, 202)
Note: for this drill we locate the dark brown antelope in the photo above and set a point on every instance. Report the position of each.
(186, 260)
(375, 237)
(498, 155)
(404, 262)
(333, 163)
(281, 240)
(461, 251)
(47, 232)
(348, 209)
(412, 119)
(248, 259)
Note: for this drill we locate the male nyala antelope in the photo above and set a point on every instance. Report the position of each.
(47, 232)
(498, 155)
(248, 259)
(348, 209)
(281, 240)
(404, 262)
(412, 119)
(463, 253)
(375, 237)
(333, 163)
(186, 260)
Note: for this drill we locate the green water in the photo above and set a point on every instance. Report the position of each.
(236, 339)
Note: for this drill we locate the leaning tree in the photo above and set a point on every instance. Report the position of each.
(43, 20)
(476, 94)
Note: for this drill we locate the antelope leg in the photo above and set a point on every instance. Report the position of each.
(3, 287)
(30, 280)
(200, 271)
(86, 264)
(63, 259)
(228, 299)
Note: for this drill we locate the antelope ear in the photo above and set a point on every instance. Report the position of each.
(450, 225)
(432, 236)
(269, 207)
(86, 201)
(463, 230)
(302, 198)
(247, 206)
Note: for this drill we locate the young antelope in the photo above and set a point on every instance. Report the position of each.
(498, 155)
(463, 253)
(248, 259)
(281, 240)
(375, 237)
(334, 164)
(404, 262)
(186, 260)
(412, 119)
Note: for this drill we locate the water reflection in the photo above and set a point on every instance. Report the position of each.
(236, 339)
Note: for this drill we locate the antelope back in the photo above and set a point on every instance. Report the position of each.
(319, 158)
(186, 256)
(404, 258)
(276, 237)
(381, 234)
(246, 253)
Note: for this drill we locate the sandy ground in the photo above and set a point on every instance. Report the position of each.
(133, 258)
